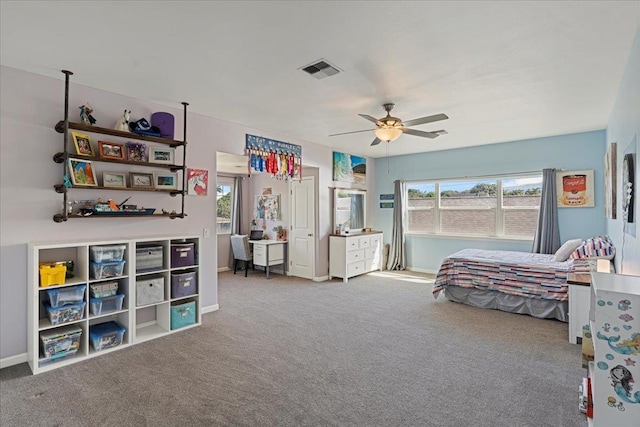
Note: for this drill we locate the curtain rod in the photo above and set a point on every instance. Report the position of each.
(499, 175)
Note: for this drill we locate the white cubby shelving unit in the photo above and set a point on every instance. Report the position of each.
(140, 323)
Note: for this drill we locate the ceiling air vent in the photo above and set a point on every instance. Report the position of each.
(320, 69)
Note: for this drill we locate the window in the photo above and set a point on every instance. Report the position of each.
(224, 199)
(489, 207)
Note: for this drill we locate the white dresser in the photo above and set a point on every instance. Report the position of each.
(351, 255)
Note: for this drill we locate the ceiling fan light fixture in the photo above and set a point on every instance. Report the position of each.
(387, 133)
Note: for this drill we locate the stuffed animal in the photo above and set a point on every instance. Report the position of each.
(85, 114)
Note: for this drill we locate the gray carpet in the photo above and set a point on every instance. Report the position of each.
(378, 351)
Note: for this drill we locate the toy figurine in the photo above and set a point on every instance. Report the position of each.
(85, 114)
(123, 122)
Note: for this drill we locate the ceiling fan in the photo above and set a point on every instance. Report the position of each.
(390, 128)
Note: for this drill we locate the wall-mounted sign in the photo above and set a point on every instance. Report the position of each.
(384, 205)
(386, 197)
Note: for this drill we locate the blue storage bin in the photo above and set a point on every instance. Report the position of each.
(65, 314)
(64, 296)
(106, 335)
(183, 284)
(183, 315)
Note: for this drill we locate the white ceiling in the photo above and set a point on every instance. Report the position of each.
(501, 71)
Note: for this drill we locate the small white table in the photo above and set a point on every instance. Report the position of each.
(267, 253)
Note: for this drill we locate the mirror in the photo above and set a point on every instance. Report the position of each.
(349, 210)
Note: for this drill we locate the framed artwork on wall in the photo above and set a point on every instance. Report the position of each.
(197, 182)
(610, 188)
(628, 188)
(348, 168)
(575, 189)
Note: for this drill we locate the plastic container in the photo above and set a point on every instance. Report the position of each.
(104, 270)
(149, 290)
(149, 258)
(107, 253)
(59, 357)
(183, 254)
(99, 306)
(52, 274)
(183, 315)
(64, 296)
(106, 335)
(183, 284)
(101, 290)
(65, 314)
(60, 340)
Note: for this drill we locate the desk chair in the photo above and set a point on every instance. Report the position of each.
(241, 252)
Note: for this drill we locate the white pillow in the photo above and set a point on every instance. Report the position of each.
(565, 250)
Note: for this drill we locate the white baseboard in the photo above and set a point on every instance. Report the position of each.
(422, 270)
(320, 278)
(221, 269)
(211, 308)
(13, 360)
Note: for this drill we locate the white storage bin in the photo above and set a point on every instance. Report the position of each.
(149, 290)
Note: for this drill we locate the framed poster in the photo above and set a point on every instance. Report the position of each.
(348, 168)
(197, 182)
(575, 189)
(267, 207)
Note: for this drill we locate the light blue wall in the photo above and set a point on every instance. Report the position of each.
(569, 152)
(624, 129)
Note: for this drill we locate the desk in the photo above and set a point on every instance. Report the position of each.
(267, 253)
(579, 295)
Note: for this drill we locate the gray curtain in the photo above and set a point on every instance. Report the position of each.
(236, 212)
(397, 254)
(547, 237)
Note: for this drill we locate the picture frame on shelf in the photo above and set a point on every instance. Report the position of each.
(82, 173)
(141, 180)
(111, 150)
(114, 179)
(83, 145)
(136, 152)
(163, 156)
(165, 180)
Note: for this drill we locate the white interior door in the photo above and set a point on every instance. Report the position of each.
(301, 236)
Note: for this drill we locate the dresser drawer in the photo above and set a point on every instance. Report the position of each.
(355, 268)
(372, 264)
(371, 253)
(352, 243)
(355, 255)
(364, 242)
(376, 240)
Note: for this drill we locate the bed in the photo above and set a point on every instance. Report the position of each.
(517, 282)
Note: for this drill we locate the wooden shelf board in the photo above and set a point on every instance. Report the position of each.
(132, 215)
(150, 332)
(121, 134)
(100, 187)
(45, 324)
(125, 162)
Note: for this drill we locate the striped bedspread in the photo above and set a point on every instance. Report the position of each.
(516, 273)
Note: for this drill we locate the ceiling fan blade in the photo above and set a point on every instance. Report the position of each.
(419, 133)
(355, 131)
(376, 141)
(368, 117)
(428, 119)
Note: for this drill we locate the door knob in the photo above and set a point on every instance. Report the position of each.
(310, 234)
